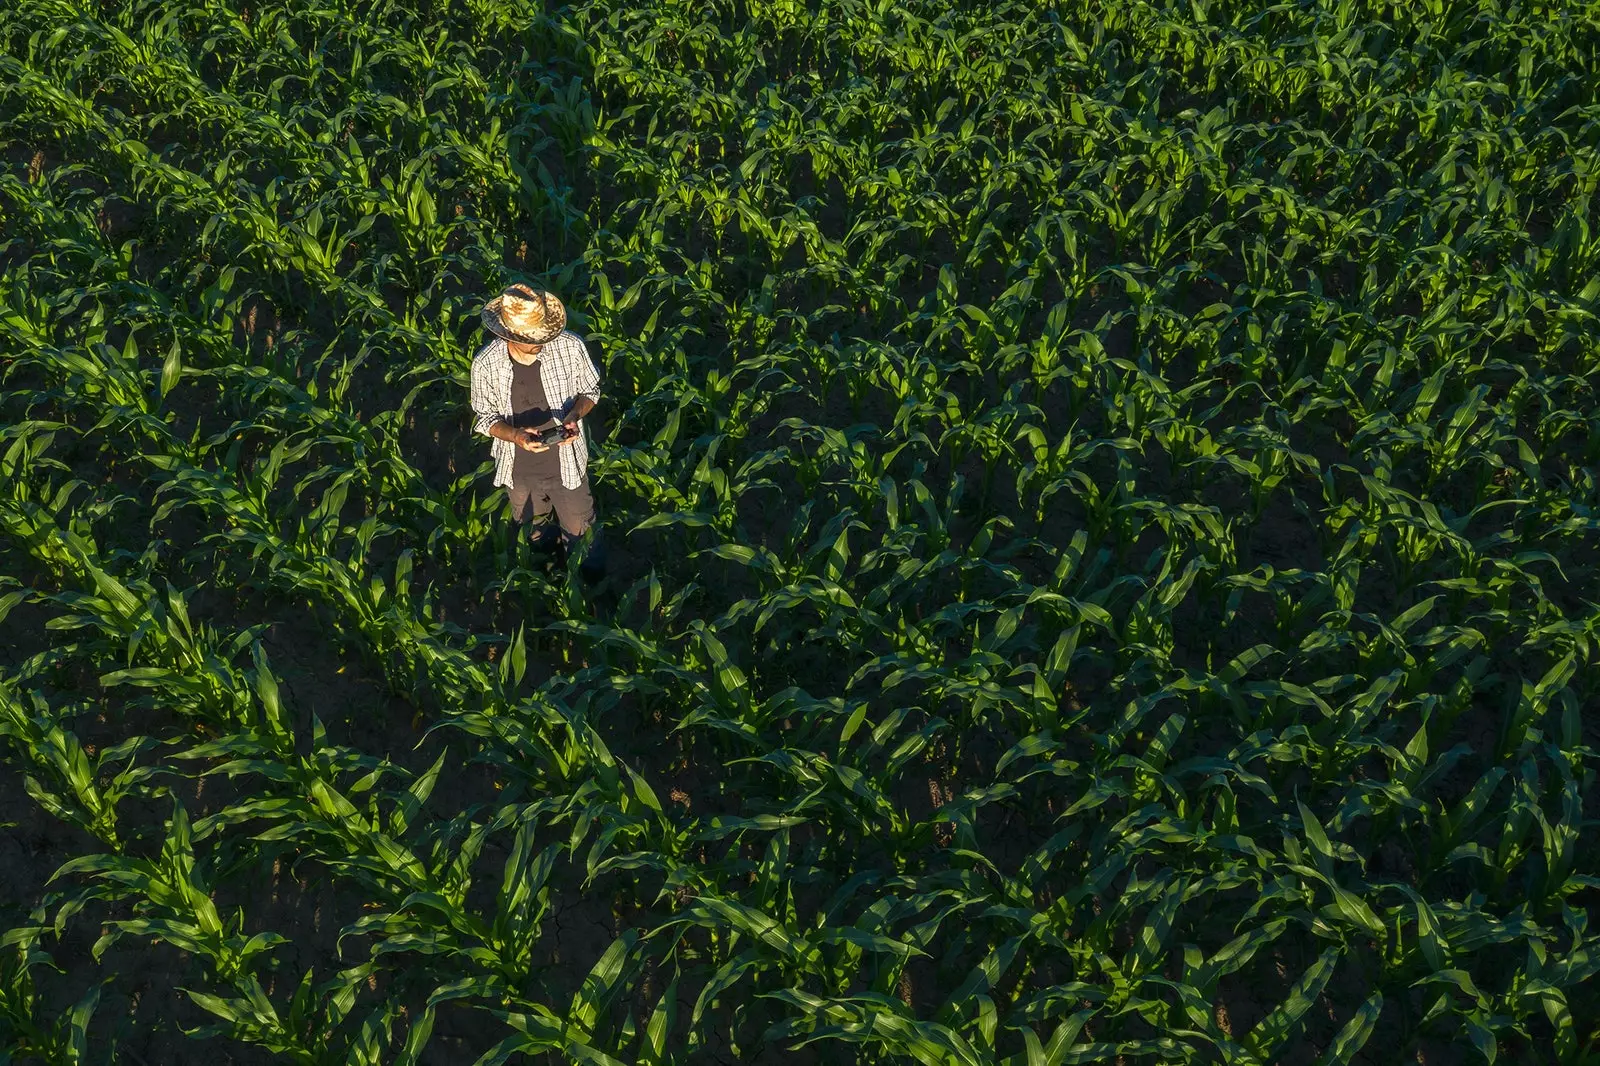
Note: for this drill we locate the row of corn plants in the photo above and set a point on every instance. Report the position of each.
(1103, 506)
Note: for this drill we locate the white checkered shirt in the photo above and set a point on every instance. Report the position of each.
(567, 372)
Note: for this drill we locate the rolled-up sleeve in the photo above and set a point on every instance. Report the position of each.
(586, 377)
(483, 397)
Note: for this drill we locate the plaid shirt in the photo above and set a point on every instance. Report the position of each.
(567, 372)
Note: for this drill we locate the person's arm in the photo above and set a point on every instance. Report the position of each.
(586, 386)
(500, 429)
(581, 405)
(483, 405)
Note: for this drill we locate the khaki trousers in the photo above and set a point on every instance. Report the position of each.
(534, 499)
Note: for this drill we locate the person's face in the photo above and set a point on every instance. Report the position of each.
(523, 353)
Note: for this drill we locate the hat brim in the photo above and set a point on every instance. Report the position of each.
(492, 323)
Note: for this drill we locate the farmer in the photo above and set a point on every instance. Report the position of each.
(532, 376)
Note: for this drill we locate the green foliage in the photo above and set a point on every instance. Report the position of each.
(1103, 515)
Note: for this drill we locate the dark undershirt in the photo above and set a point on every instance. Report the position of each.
(531, 410)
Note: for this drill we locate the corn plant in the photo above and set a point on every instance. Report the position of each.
(1103, 510)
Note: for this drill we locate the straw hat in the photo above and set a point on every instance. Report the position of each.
(525, 315)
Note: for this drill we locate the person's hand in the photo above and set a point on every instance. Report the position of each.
(572, 431)
(529, 442)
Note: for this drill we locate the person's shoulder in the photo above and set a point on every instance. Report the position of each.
(495, 347)
(571, 342)
(569, 346)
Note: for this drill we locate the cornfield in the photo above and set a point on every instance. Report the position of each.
(1103, 519)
